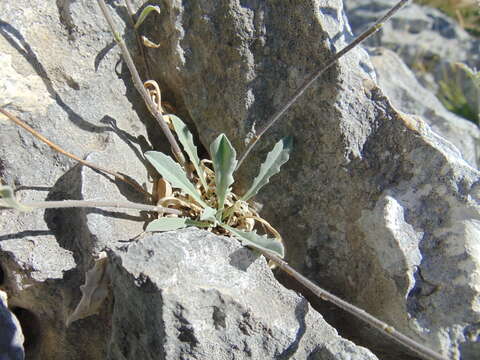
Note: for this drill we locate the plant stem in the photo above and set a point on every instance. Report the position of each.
(139, 86)
(139, 41)
(421, 350)
(97, 204)
(363, 36)
(57, 148)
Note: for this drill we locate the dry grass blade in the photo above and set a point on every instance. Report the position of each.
(99, 204)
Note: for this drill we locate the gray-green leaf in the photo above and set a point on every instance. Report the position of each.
(224, 163)
(167, 224)
(186, 139)
(8, 200)
(275, 159)
(209, 215)
(173, 173)
(254, 240)
(148, 9)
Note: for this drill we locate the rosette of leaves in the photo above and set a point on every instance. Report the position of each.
(203, 193)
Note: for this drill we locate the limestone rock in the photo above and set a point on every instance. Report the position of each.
(373, 205)
(11, 336)
(58, 71)
(191, 294)
(430, 42)
(60, 77)
(405, 92)
(229, 67)
(417, 32)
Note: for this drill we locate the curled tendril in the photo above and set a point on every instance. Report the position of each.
(155, 94)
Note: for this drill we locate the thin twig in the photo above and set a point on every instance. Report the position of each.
(139, 41)
(99, 204)
(156, 112)
(384, 328)
(370, 31)
(57, 148)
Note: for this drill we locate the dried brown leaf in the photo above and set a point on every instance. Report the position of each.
(164, 189)
(149, 43)
(94, 291)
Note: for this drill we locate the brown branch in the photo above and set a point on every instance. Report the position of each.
(156, 112)
(99, 204)
(423, 351)
(57, 148)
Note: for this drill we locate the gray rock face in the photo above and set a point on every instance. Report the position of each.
(429, 42)
(11, 336)
(193, 295)
(373, 205)
(60, 78)
(58, 71)
(405, 92)
(417, 32)
(352, 151)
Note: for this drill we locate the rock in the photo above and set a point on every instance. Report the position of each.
(191, 294)
(61, 80)
(59, 75)
(404, 91)
(373, 205)
(230, 66)
(424, 232)
(430, 42)
(417, 32)
(11, 337)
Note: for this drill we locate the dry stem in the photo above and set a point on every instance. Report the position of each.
(57, 148)
(421, 350)
(98, 204)
(139, 85)
(139, 41)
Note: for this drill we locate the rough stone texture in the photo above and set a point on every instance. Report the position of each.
(11, 337)
(429, 42)
(191, 294)
(405, 92)
(60, 77)
(352, 151)
(57, 67)
(417, 31)
(373, 204)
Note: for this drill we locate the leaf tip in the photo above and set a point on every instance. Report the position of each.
(288, 142)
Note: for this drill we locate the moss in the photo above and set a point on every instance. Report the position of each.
(452, 92)
(465, 12)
